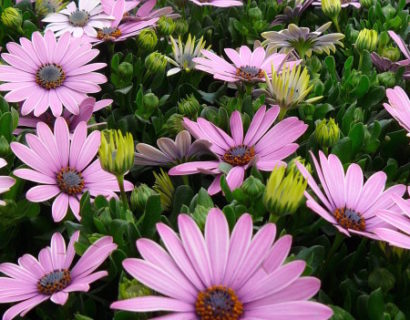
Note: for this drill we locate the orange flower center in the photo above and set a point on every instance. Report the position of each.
(50, 76)
(54, 281)
(70, 181)
(218, 303)
(350, 219)
(240, 155)
(249, 73)
(108, 33)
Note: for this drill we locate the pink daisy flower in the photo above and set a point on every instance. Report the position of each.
(399, 106)
(51, 276)
(344, 3)
(260, 146)
(404, 48)
(45, 73)
(218, 3)
(399, 237)
(146, 12)
(221, 275)
(87, 108)
(64, 167)
(108, 5)
(246, 65)
(6, 182)
(118, 31)
(80, 20)
(348, 204)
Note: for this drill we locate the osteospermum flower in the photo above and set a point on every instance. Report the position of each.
(118, 31)
(292, 14)
(171, 152)
(399, 234)
(87, 108)
(404, 48)
(288, 89)
(221, 275)
(5, 182)
(302, 40)
(146, 12)
(347, 203)
(108, 5)
(261, 147)
(51, 276)
(218, 3)
(399, 106)
(344, 3)
(64, 167)
(184, 54)
(79, 20)
(45, 73)
(246, 65)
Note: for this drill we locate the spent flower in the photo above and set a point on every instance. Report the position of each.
(303, 40)
(292, 14)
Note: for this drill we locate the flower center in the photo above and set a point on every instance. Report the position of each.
(50, 76)
(350, 219)
(79, 18)
(108, 33)
(54, 281)
(240, 155)
(249, 72)
(218, 303)
(70, 181)
(186, 61)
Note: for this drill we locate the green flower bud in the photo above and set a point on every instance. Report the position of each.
(387, 79)
(150, 101)
(126, 70)
(391, 53)
(253, 187)
(166, 26)
(284, 192)
(255, 13)
(293, 167)
(131, 288)
(174, 124)
(200, 214)
(116, 152)
(181, 27)
(11, 18)
(366, 3)
(155, 62)
(381, 278)
(147, 40)
(367, 40)
(388, 11)
(189, 106)
(331, 8)
(327, 133)
(164, 187)
(139, 197)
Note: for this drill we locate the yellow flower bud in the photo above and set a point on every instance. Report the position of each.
(12, 18)
(367, 40)
(331, 8)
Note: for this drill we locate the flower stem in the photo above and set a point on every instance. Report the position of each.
(360, 61)
(185, 179)
(124, 199)
(282, 113)
(336, 22)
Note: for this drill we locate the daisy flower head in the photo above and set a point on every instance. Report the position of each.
(344, 3)
(218, 3)
(399, 106)
(64, 166)
(220, 275)
(262, 146)
(183, 54)
(108, 5)
(47, 73)
(399, 233)
(87, 108)
(52, 276)
(246, 66)
(347, 202)
(6, 182)
(79, 20)
(118, 31)
(147, 12)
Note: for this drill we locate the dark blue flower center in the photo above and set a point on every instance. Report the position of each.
(249, 73)
(50, 76)
(239, 155)
(70, 181)
(218, 302)
(350, 219)
(54, 281)
(79, 18)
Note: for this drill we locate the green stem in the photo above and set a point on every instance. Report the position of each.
(124, 198)
(360, 61)
(336, 22)
(335, 246)
(185, 178)
(282, 113)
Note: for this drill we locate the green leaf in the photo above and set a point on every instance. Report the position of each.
(204, 199)
(152, 215)
(356, 135)
(344, 149)
(340, 314)
(375, 305)
(362, 87)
